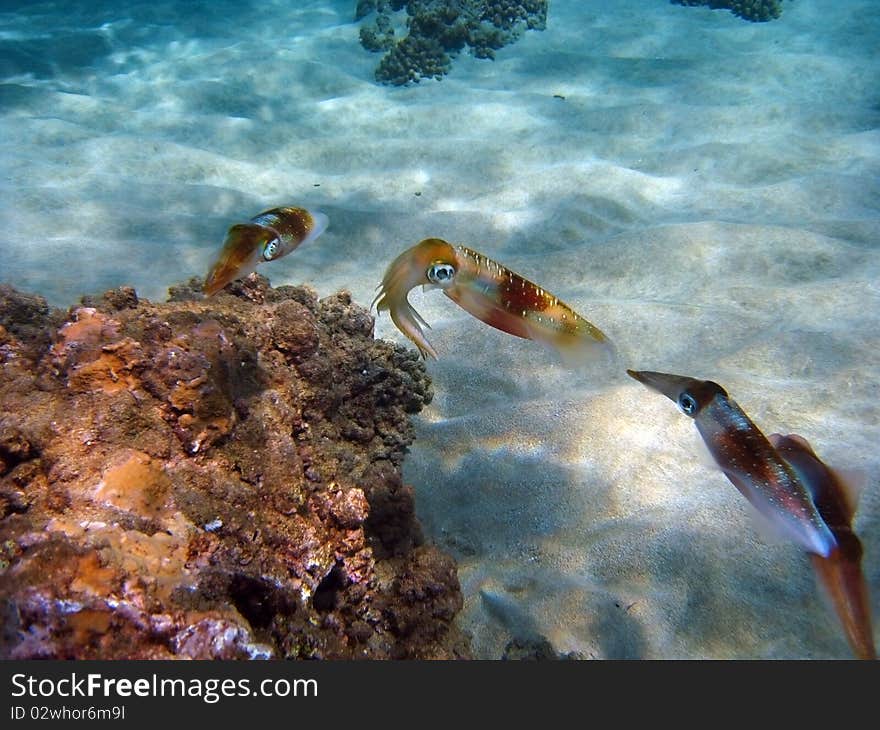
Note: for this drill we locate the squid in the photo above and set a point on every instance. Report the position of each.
(748, 459)
(491, 293)
(840, 574)
(266, 237)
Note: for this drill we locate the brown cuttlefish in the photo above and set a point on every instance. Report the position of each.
(785, 481)
(265, 237)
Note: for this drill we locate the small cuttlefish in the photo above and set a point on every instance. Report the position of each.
(269, 236)
(747, 459)
(841, 572)
(491, 293)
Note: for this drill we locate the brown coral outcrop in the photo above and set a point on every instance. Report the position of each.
(212, 478)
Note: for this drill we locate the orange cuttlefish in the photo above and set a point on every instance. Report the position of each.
(840, 573)
(266, 237)
(787, 483)
(491, 293)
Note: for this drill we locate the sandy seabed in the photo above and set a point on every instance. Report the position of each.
(703, 189)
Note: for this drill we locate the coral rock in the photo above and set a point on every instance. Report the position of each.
(758, 11)
(440, 29)
(212, 478)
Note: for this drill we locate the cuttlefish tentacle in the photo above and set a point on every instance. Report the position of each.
(406, 272)
(266, 237)
(489, 291)
(747, 458)
(840, 574)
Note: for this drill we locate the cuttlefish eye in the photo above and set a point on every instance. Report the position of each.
(271, 249)
(687, 403)
(440, 273)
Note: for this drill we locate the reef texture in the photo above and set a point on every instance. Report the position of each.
(758, 11)
(212, 478)
(437, 30)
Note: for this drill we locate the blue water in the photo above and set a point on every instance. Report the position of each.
(702, 188)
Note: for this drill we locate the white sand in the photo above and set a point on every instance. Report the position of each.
(706, 193)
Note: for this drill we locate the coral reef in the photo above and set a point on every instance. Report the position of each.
(412, 60)
(440, 29)
(212, 478)
(758, 11)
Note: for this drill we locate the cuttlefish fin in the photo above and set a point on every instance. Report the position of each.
(576, 349)
(579, 352)
(840, 573)
(853, 483)
(771, 532)
(850, 482)
(701, 451)
(320, 221)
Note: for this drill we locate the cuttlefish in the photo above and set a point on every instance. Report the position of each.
(747, 458)
(840, 573)
(266, 237)
(490, 292)
(787, 483)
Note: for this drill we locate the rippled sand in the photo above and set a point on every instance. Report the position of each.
(705, 191)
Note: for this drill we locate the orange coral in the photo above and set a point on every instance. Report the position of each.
(137, 484)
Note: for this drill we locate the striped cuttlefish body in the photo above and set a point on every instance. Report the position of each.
(266, 237)
(490, 292)
(781, 476)
(747, 458)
